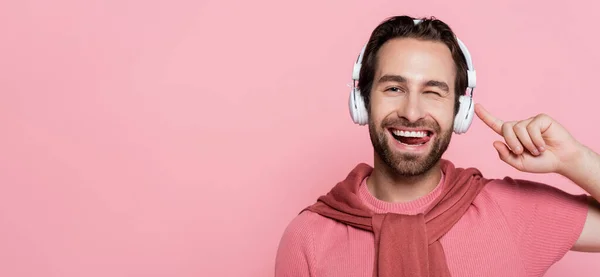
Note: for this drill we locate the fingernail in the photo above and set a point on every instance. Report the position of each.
(535, 152)
(541, 148)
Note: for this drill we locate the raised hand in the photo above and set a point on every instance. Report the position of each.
(537, 144)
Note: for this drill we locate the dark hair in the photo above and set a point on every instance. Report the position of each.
(430, 29)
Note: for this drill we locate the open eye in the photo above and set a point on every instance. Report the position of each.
(393, 89)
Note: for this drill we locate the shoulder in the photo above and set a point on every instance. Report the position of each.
(307, 227)
(514, 191)
(544, 220)
(299, 247)
(527, 198)
(302, 227)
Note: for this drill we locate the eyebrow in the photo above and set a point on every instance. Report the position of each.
(399, 79)
(442, 85)
(392, 78)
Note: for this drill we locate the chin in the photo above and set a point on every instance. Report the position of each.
(410, 160)
(413, 166)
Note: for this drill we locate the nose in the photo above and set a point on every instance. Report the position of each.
(411, 108)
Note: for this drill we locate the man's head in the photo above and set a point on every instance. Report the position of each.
(411, 79)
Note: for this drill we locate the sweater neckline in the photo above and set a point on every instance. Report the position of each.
(410, 208)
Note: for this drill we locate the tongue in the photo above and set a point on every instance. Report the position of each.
(407, 140)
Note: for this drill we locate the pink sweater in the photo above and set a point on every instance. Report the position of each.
(513, 228)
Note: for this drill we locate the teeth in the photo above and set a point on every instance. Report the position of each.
(411, 134)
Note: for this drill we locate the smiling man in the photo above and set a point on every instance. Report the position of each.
(416, 214)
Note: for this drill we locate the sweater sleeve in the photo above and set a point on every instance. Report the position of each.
(545, 221)
(295, 255)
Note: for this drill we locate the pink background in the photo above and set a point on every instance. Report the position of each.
(142, 138)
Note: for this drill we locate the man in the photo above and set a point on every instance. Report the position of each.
(415, 214)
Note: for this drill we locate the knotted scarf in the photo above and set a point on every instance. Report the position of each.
(405, 245)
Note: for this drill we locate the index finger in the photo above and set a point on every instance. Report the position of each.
(489, 120)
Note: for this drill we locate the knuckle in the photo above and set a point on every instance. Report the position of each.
(506, 131)
(542, 116)
(519, 127)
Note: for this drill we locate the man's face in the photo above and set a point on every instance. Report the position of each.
(412, 104)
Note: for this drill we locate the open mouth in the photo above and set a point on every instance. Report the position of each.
(411, 137)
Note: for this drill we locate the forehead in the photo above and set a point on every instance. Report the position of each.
(416, 60)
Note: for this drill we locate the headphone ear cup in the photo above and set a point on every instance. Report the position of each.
(352, 107)
(464, 117)
(358, 111)
(360, 104)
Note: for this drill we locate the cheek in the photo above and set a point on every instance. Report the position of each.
(380, 109)
(376, 117)
(440, 110)
(443, 113)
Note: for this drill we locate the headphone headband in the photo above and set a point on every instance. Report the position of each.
(471, 76)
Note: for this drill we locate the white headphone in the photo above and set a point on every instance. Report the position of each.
(464, 117)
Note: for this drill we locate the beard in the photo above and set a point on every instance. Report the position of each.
(406, 164)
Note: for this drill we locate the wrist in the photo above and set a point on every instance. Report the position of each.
(584, 171)
(577, 163)
(574, 164)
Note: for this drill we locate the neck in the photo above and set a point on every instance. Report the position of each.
(386, 185)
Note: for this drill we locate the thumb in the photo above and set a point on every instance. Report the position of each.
(506, 155)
